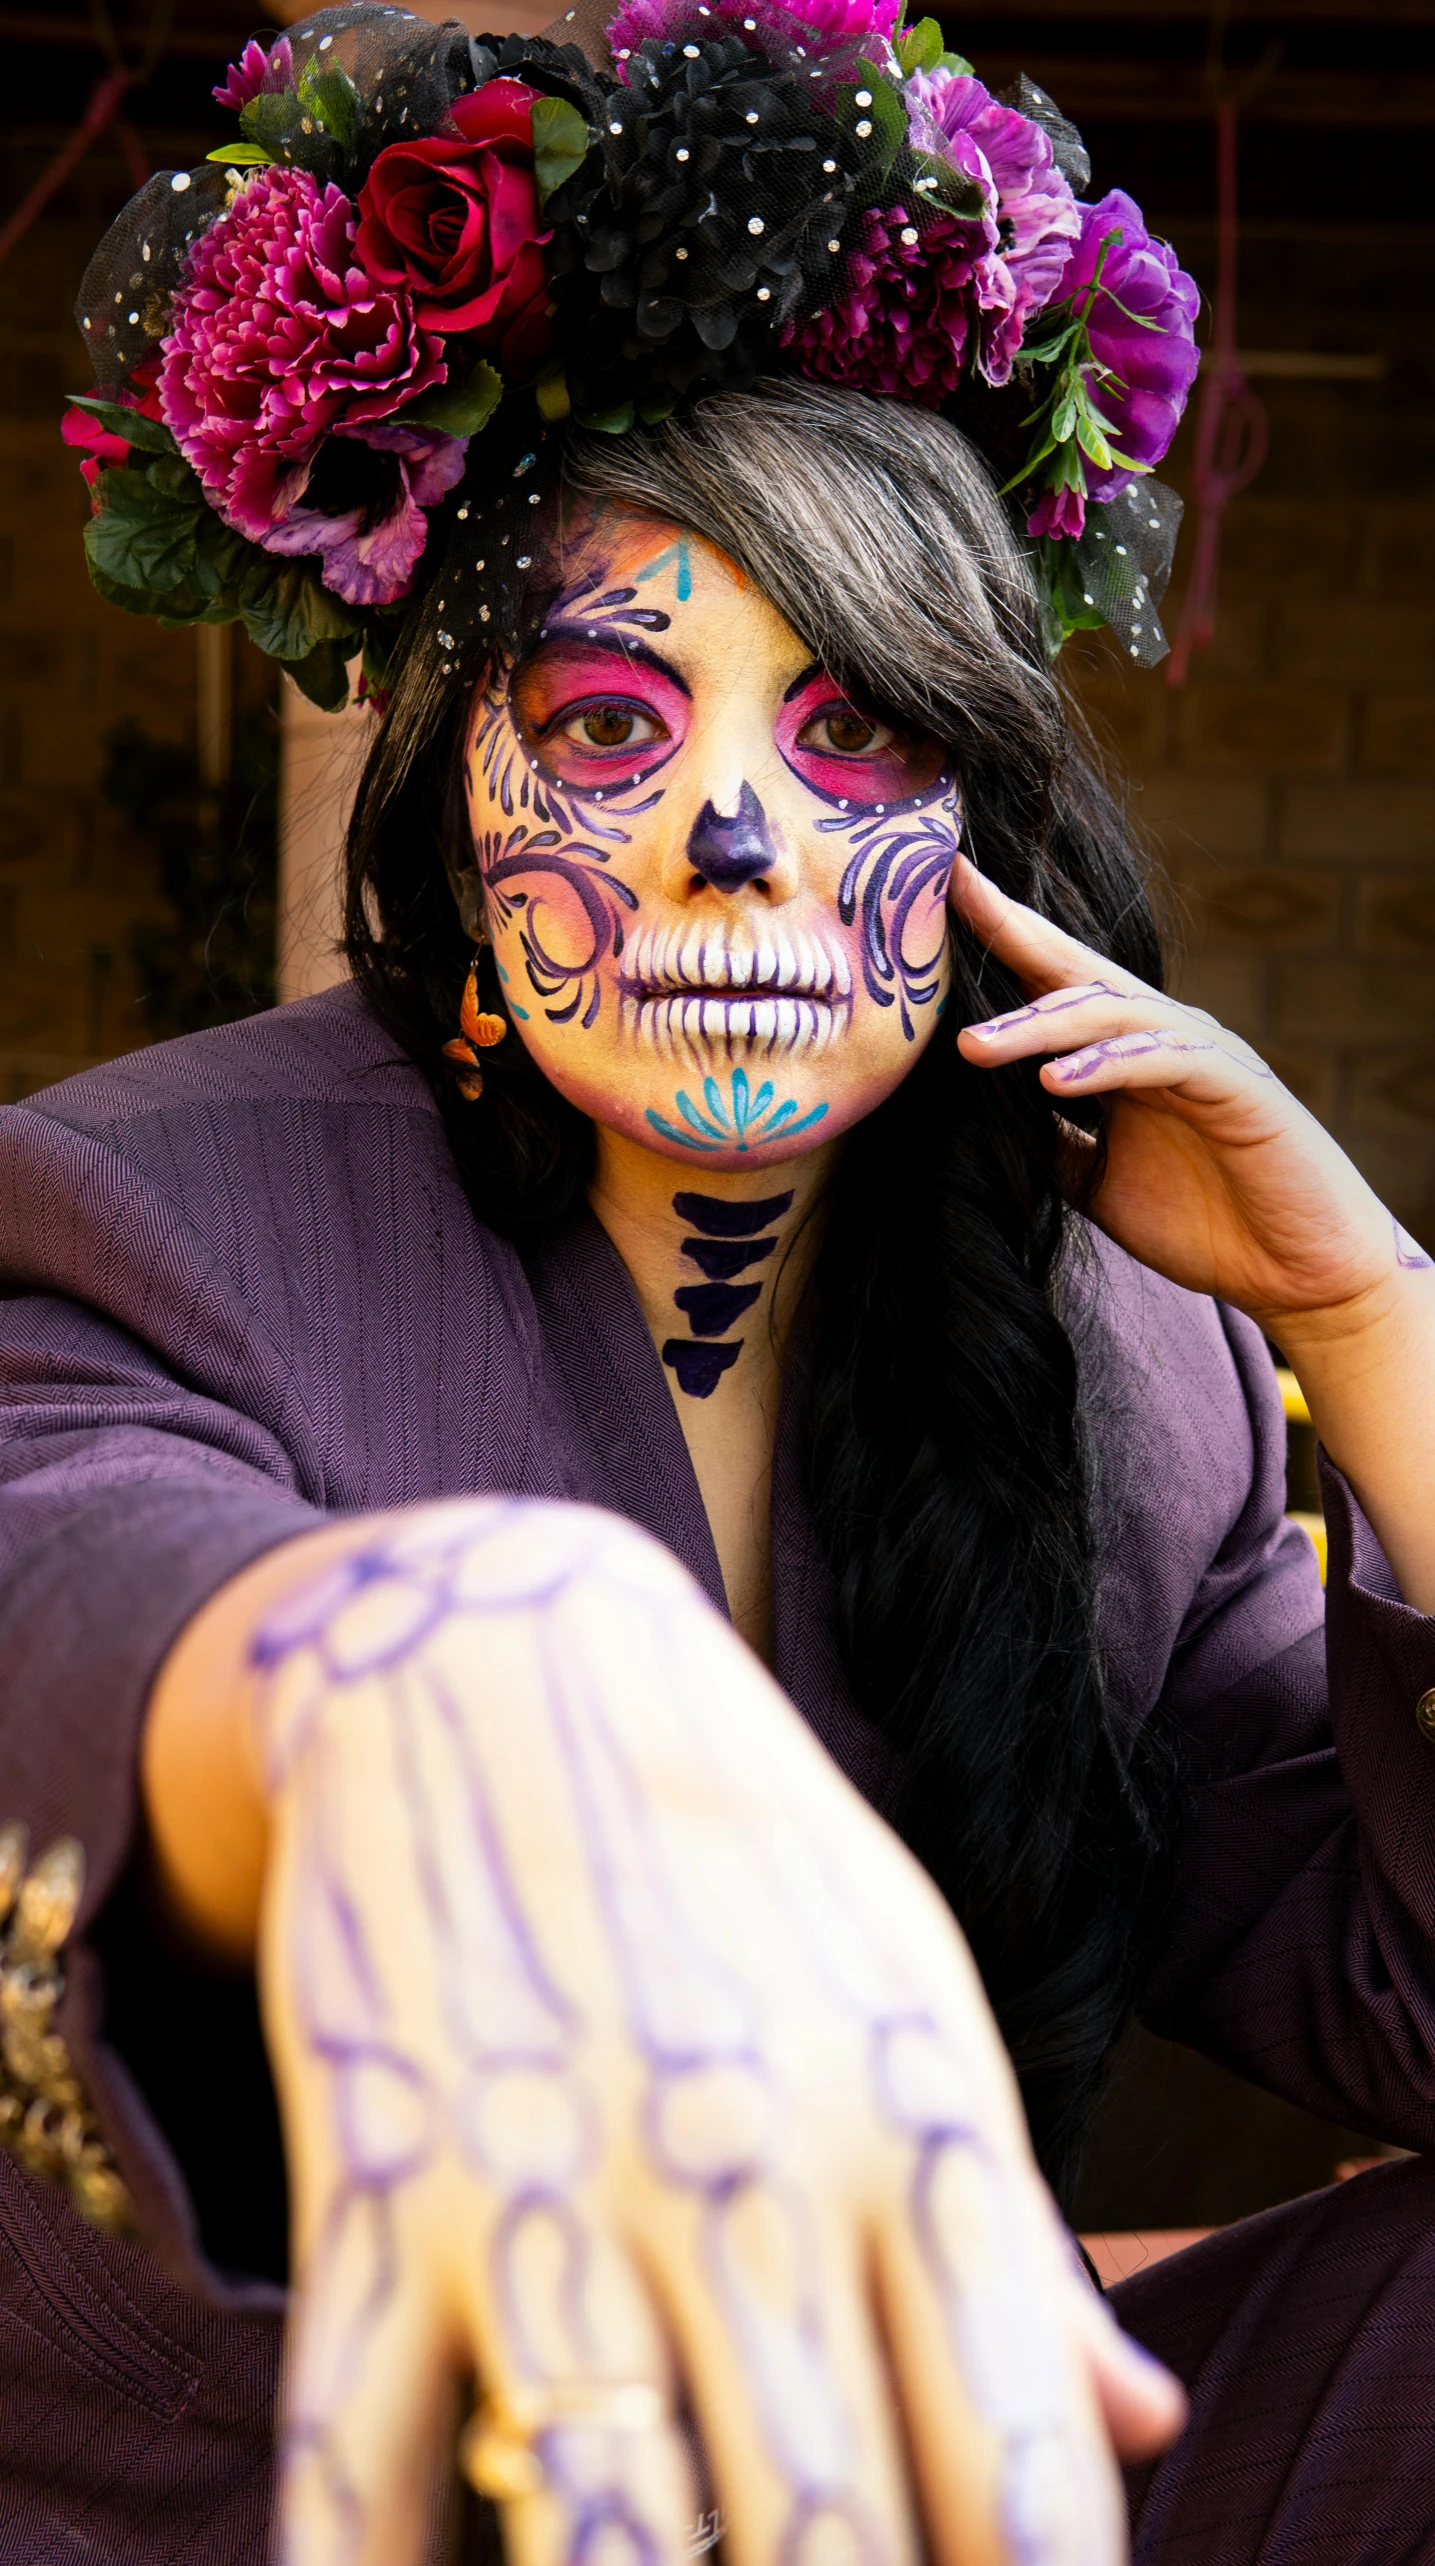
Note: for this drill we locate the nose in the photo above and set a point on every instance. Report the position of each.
(728, 852)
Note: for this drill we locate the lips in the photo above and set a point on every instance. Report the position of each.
(776, 992)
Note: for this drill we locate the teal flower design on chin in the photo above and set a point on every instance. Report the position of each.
(748, 1121)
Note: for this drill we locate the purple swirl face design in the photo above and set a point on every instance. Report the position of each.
(716, 882)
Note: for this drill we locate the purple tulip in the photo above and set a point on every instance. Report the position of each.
(1141, 321)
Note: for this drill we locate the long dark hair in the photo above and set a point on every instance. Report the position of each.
(949, 1463)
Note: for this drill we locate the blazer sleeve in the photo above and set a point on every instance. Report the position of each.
(1299, 1940)
(151, 1446)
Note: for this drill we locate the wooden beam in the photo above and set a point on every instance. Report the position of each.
(1178, 93)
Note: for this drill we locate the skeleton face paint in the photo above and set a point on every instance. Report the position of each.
(716, 883)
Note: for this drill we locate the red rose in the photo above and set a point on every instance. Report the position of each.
(456, 220)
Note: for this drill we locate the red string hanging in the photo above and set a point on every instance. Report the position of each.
(1232, 432)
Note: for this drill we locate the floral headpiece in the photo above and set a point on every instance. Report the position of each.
(300, 347)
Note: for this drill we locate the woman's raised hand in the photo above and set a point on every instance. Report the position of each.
(1214, 1174)
(629, 2065)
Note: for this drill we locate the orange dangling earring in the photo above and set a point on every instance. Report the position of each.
(477, 1032)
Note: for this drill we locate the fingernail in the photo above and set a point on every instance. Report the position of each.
(984, 1032)
(1071, 1068)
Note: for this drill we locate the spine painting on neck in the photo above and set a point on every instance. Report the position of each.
(727, 1245)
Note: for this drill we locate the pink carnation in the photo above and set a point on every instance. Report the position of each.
(902, 321)
(1037, 217)
(828, 24)
(278, 337)
(260, 69)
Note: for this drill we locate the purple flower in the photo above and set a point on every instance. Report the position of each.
(902, 321)
(1141, 321)
(259, 69)
(827, 23)
(1037, 217)
(278, 337)
(1058, 512)
(370, 552)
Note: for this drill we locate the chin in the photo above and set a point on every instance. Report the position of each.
(734, 1099)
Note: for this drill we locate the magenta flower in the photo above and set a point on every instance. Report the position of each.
(278, 337)
(371, 551)
(902, 320)
(953, 116)
(260, 69)
(827, 24)
(1141, 322)
(1058, 512)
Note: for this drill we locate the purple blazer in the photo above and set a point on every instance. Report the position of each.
(244, 1291)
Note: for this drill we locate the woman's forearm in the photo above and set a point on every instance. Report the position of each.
(200, 1778)
(1368, 1373)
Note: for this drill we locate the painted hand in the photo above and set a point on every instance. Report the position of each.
(1215, 1175)
(627, 2060)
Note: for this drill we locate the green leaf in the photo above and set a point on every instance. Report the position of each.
(151, 435)
(180, 605)
(288, 612)
(561, 143)
(1093, 443)
(609, 423)
(553, 396)
(955, 62)
(322, 675)
(142, 537)
(243, 156)
(1063, 419)
(920, 48)
(885, 113)
(1040, 350)
(271, 117)
(331, 97)
(460, 409)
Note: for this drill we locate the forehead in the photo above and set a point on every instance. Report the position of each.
(602, 547)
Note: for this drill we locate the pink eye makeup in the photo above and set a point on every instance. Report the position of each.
(594, 715)
(848, 754)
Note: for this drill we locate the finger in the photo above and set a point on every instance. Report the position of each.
(1201, 1068)
(784, 2362)
(1142, 2404)
(576, 2432)
(1068, 1019)
(364, 2400)
(991, 2366)
(1042, 955)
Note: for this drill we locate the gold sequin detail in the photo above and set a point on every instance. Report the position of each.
(45, 2120)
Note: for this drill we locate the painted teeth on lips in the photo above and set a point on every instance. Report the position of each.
(664, 962)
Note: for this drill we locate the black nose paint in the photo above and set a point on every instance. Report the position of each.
(728, 853)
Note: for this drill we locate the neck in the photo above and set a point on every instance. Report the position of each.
(718, 1260)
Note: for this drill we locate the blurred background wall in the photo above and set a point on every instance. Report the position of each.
(1288, 788)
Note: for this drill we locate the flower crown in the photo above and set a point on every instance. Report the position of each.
(300, 346)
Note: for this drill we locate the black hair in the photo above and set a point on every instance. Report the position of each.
(948, 1453)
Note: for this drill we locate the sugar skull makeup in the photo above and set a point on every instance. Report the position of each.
(715, 882)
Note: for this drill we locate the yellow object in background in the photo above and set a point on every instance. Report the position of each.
(1297, 1415)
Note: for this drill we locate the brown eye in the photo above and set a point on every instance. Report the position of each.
(839, 730)
(848, 733)
(608, 725)
(612, 726)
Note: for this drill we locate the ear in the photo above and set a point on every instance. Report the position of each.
(472, 906)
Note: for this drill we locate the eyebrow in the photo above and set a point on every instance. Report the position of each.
(813, 669)
(612, 646)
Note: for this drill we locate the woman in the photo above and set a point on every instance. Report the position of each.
(627, 2062)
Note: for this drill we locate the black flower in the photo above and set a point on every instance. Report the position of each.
(711, 210)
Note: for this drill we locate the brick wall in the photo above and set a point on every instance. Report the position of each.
(74, 881)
